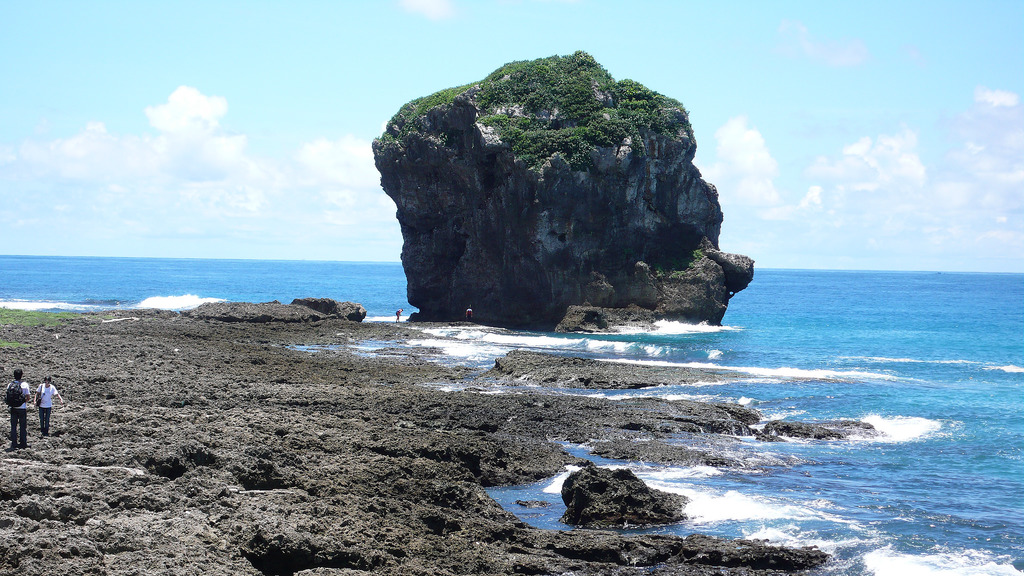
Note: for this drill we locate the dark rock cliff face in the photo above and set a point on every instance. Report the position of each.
(520, 209)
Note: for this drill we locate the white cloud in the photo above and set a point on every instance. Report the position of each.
(987, 170)
(189, 147)
(192, 178)
(995, 98)
(967, 206)
(347, 161)
(812, 199)
(188, 111)
(432, 9)
(92, 154)
(868, 165)
(744, 166)
(796, 40)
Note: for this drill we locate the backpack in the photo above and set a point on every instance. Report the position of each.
(14, 397)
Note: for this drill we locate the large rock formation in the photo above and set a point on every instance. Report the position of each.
(547, 185)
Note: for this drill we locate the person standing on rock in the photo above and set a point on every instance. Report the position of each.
(43, 398)
(469, 314)
(19, 414)
(398, 315)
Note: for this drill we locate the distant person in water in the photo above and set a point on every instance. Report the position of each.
(44, 400)
(398, 315)
(469, 314)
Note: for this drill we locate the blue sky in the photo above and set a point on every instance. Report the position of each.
(840, 135)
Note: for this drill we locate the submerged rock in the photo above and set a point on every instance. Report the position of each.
(549, 185)
(601, 497)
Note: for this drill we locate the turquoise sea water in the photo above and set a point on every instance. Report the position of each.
(932, 360)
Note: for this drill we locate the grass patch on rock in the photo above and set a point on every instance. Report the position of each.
(32, 318)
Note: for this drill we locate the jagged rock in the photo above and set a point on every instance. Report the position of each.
(659, 451)
(753, 554)
(348, 310)
(595, 319)
(550, 185)
(738, 269)
(838, 430)
(600, 497)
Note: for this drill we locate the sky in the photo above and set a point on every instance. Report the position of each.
(840, 135)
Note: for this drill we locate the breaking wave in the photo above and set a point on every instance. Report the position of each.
(184, 302)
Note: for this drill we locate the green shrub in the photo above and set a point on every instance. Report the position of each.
(564, 105)
(677, 268)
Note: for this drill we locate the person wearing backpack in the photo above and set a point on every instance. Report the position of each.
(19, 413)
(43, 398)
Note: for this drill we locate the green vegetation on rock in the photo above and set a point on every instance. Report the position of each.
(29, 318)
(565, 105)
(32, 318)
(678, 268)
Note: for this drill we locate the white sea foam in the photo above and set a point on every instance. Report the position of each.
(782, 415)
(709, 507)
(669, 393)
(714, 354)
(677, 473)
(508, 339)
(744, 401)
(184, 302)
(384, 319)
(669, 328)
(901, 428)
(888, 562)
(462, 350)
(505, 341)
(792, 535)
(555, 487)
(785, 372)
(884, 359)
(1010, 368)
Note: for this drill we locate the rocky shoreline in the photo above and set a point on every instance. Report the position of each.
(196, 445)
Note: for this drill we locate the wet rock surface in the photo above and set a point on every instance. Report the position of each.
(203, 444)
(601, 497)
(535, 367)
(776, 430)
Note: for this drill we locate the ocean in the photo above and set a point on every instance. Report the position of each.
(935, 361)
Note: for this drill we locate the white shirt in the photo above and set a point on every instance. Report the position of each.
(46, 392)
